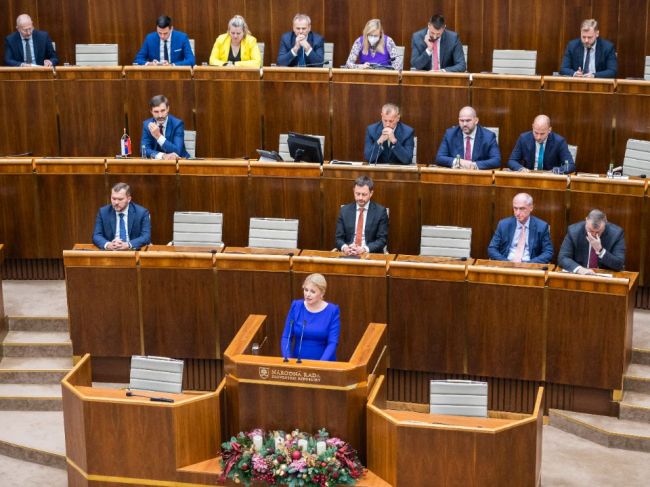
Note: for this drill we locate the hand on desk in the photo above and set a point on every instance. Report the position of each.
(353, 249)
(584, 271)
(117, 244)
(465, 164)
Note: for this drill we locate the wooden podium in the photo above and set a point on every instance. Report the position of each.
(267, 392)
(407, 445)
(111, 439)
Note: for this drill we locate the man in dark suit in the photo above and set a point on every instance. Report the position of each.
(389, 141)
(362, 226)
(163, 134)
(301, 47)
(165, 46)
(541, 149)
(592, 244)
(469, 146)
(122, 225)
(29, 47)
(522, 237)
(435, 48)
(589, 56)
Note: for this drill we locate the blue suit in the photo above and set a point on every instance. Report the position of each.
(485, 154)
(574, 251)
(315, 57)
(174, 133)
(452, 58)
(606, 62)
(139, 222)
(387, 153)
(43, 49)
(309, 335)
(180, 51)
(540, 246)
(556, 151)
(376, 226)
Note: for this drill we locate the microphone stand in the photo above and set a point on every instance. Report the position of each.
(304, 324)
(286, 348)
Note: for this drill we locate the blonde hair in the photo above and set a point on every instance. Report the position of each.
(238, 21)
(373, 24)
(317, 280)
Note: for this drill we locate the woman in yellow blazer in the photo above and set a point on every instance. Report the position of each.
(236, 47)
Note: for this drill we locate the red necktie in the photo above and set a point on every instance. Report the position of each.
(358, 236)
(593, 258)
(436, 63)
(468, 149)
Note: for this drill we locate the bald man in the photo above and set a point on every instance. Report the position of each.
(541, 149)
(469, 146)
(29, 47)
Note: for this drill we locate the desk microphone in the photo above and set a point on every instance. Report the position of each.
(153, 399)
(381, 149)
(256, 347)
(311, 65)
(286, 348)
(304, 324)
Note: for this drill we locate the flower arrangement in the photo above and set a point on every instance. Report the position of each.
(293, 459)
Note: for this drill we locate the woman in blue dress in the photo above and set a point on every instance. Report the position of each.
(317, 321)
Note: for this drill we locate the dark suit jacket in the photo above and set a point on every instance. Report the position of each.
(315, 58)
(376, 226)
(539, 240)
(174, 133)
(43, 49)
(486, 153)
(575, 248)
(139, 226)
(606, 62)
(400, 153)
(452, 58)
(556, 151)
(180, 52)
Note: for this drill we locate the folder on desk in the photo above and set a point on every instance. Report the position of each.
(458, 397)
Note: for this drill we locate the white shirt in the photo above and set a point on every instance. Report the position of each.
(592, 58)
(117, 225)
(515, 240)
(169, 48)
(30, 41)
(162, 139)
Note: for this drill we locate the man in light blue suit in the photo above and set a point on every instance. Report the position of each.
(469, 146)
(522, 237)
(122, 225)
(165, 46)
(163, 135)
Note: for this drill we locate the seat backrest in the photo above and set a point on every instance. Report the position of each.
(458, 398)
(442, 241)
(400, 52)
(465, 49)
(96, 54)
(646, 73)
(573, 150)
(415, 150)
(495, 131)
(328, 57)
(260, 45)
(198, 228)
(192, 46)
(510, 61)
(189, 138)
(283, 145)
(159, 374)
(280, 233)
(637, 158)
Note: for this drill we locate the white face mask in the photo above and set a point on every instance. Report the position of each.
(373, 40)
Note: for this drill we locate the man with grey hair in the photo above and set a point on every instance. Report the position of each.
(589, 56)
(522, 237)
(593, 244)
(29, 47)
(301, 47)
(389, 141)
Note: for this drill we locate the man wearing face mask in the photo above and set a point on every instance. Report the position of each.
(389, 141)
(592, 244)
(435, 48)
(589, 56)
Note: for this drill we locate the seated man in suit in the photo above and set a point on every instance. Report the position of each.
(541, 149)
(362, 226)
(122, 225)
(389, 141)
(163, 134)
(435, 48)
(522, 237)
(301, 47)
(589, 56)
(165, 46)
(592, 244)
(469, 146)
(28, 46)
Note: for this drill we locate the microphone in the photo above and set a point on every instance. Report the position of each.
(286, 348)
(153, 399)
(311, 65)
(304, 324)
(256, 347)
(381, 149)
(22, 154)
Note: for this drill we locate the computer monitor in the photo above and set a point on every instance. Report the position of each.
(305, 148)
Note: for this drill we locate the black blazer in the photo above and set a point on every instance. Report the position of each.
(376, 230)
(556, 151)
(575, 248)
(606, 62)
(43, 49)
(452, 58)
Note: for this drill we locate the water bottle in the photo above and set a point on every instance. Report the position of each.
(143, 151)
(125, 144)
(610, 171)
(456, 164)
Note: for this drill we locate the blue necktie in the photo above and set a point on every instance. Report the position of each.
(585, 69)
(122, 228)
(540, 162)
(301, 57)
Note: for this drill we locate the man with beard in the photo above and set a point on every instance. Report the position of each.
(589, 56)
(163, 134)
